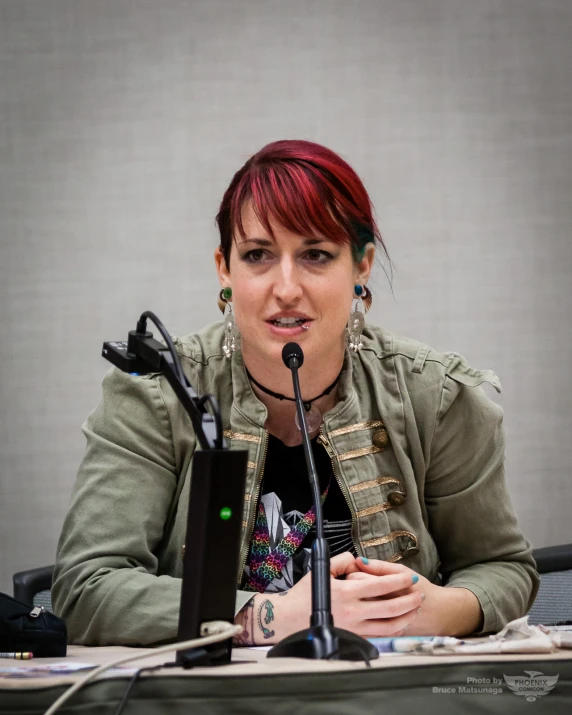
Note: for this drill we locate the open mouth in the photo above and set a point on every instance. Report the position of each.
(289, 325)
(288, 322)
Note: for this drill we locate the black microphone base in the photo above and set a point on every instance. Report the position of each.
(324, 643)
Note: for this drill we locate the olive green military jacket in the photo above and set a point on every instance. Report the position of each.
(416, 446)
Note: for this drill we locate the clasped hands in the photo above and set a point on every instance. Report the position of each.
(374, 599)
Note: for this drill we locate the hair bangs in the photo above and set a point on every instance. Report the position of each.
(294, 196)
(304, 187)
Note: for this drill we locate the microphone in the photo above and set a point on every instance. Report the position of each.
(322, 640)
(292, 356)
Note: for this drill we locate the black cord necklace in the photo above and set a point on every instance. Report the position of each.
(307, 403)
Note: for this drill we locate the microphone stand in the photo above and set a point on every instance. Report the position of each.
(322, 640)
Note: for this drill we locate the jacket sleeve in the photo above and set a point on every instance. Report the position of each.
(106, 585)
(106, 582)
(470, 514)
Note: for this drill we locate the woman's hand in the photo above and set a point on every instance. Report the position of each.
(445, 611)
(380, 604)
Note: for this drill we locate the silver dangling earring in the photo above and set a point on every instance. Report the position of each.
(356, 323)
(230, 329)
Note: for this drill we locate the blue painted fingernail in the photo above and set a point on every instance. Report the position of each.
(365, 560)
(415, 578)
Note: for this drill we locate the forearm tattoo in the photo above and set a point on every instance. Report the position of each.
(245, 618)
(266, 618)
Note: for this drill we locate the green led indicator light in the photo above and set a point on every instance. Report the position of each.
(225, 513)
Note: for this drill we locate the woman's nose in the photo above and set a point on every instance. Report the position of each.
(287, 284)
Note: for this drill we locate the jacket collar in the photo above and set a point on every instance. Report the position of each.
(249, 412)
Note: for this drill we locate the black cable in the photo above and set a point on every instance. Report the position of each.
(197, 656)
(132, 682)
(142, 328)
(216, 415)
(207, 399)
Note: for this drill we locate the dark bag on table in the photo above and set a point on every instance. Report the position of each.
(30, 629)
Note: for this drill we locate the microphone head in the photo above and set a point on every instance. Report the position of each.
(290, 351)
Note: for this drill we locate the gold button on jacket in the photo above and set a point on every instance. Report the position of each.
(380, 438)
(396, 498)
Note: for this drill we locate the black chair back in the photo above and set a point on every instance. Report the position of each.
(34, 586)
(553, 602)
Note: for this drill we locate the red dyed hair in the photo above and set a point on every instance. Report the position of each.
(305, 187)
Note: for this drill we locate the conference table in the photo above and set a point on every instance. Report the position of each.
(254, 684)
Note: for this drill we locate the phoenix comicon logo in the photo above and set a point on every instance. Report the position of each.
(531, 686)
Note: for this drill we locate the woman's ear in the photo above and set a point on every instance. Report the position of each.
(365, 264)
(221, 268)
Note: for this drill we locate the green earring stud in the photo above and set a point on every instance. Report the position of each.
(223, 298)
(358, 290)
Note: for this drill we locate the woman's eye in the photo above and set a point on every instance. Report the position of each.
(317, 256)
(254, 256)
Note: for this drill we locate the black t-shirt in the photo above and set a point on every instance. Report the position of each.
(286, 495)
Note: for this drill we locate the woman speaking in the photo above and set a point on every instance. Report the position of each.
(408, 448)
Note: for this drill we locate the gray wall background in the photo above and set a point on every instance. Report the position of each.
(122, 122)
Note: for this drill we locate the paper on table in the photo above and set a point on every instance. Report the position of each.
(50, 669)
(518, 636)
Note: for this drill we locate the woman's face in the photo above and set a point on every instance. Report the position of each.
(290, 288)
